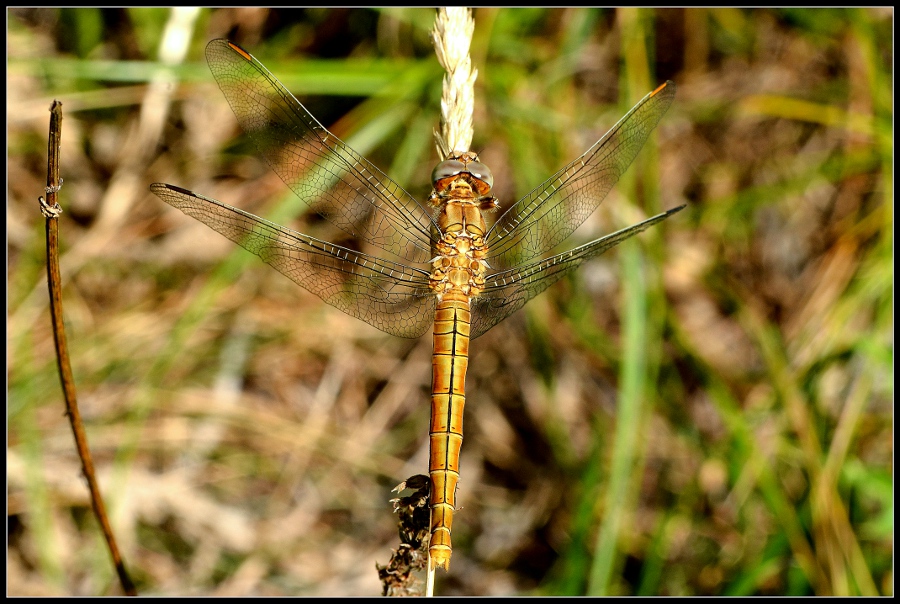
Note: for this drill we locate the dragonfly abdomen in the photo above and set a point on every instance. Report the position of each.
(448, 398)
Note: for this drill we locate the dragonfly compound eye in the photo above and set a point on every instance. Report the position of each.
(481, 172)
(446, 169)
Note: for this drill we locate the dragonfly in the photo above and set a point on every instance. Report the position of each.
(438, 265)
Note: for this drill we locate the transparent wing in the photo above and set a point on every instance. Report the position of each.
(545, 217)
(507, 291)
(337, 182)
(393, 297)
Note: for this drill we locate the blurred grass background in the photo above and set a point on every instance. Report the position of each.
(707, 410)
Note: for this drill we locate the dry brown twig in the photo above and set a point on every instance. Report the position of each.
(51, 210)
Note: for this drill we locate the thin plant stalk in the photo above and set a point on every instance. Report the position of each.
(51, 210)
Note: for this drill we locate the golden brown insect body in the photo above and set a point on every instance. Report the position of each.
(461, 191)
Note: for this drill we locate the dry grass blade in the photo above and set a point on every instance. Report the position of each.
(452, 36)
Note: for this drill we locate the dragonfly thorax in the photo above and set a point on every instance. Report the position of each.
(457, 270)
(459, 264)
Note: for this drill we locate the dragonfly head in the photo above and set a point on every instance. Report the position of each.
(464, 166)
